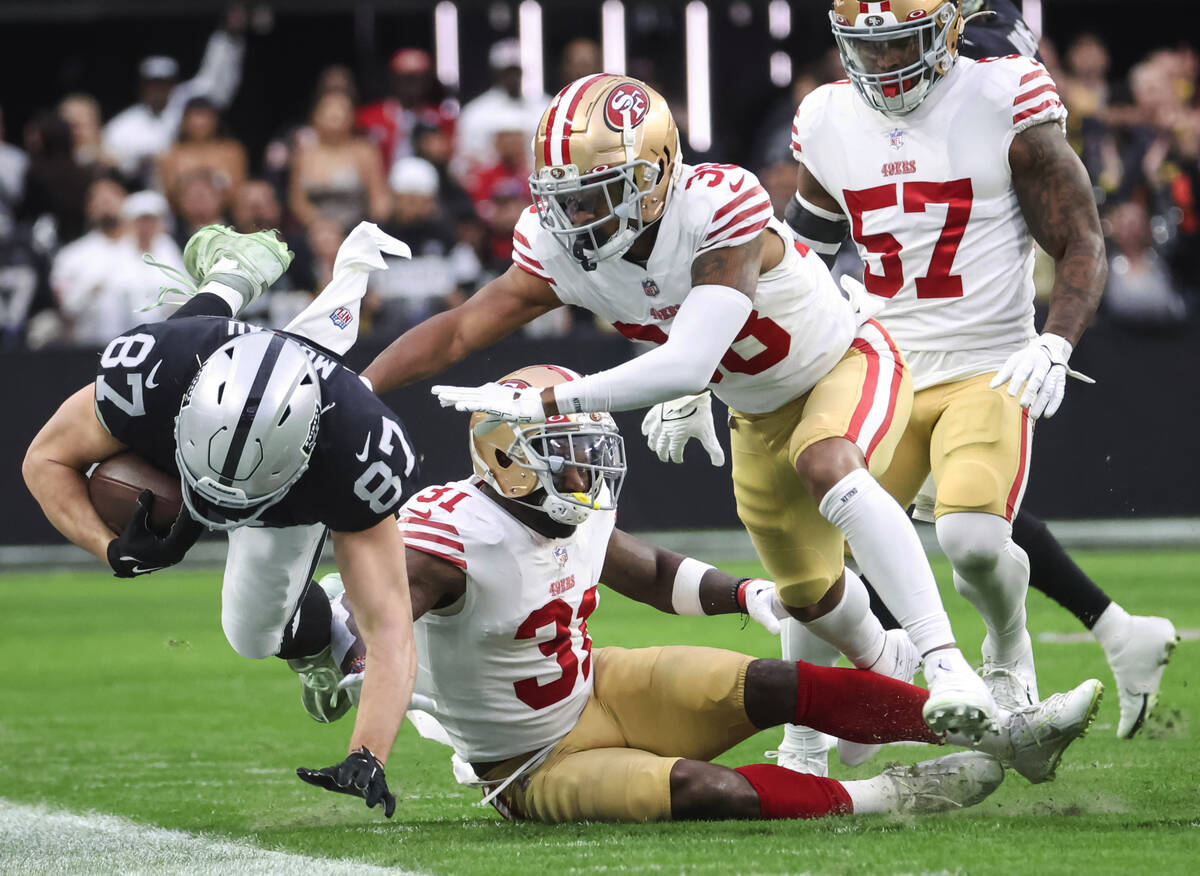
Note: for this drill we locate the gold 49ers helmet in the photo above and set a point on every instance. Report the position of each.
(605, 156)
(895, 51)
(568, 466)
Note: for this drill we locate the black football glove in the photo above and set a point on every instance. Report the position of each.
(360, 774)
(138, 550)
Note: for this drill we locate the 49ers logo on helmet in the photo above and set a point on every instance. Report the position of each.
(627, 97)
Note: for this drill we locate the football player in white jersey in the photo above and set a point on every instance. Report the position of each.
(944, 171)
(504, 569)
(691, 259)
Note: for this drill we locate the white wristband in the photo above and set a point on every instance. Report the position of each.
(685, 595)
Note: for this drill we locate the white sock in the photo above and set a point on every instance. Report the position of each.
(1112, 628)
(872, 796)
(992, 573)
(228, 294)
(798, 643)
(888, 551)
(850, 627)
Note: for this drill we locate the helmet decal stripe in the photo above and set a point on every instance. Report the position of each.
(566, 375)
(558, 126)
(250, 409)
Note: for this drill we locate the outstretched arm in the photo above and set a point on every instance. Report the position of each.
(499, 308)
(676, 584)
(55, 469)
(1056, 200)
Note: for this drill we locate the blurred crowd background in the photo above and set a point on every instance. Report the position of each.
(101, 175)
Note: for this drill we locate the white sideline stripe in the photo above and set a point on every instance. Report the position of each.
(38, 840)
(1081, 638)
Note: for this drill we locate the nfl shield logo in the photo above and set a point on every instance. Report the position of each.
(896, 139)
(649, 287)
(341, 317)
(560, 554)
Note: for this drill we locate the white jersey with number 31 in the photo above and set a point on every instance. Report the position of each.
(510, 664)
(931, 203)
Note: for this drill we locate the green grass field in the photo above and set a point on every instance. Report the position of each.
(123, 698)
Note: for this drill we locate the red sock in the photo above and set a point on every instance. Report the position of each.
(860, 706)
(786, 794)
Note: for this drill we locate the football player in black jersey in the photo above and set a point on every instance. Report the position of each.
(278, 443)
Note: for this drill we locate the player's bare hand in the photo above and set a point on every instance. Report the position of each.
(515, 404)
(360, 775)
(669, 426)
(139, 550)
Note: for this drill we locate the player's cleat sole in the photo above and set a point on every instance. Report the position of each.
(1138, 668)
(959, 702)
(1039, 735)
(319, 692)
(946, 783)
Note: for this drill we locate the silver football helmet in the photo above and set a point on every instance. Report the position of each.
(246, 428)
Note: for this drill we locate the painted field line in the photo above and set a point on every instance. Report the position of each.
(1078, 638)
(38, 840)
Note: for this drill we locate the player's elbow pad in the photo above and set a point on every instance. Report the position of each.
(820, 230)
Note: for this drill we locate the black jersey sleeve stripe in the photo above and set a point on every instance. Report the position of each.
(250, 409)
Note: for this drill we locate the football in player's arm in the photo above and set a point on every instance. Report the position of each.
(503, 570)
(264, 432)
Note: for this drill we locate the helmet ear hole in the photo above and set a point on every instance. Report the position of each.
(503, 459)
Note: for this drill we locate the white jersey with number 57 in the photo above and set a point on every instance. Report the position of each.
(931, 203)
(800, 327)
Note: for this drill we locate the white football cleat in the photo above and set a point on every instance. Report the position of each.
(1138, 663)
(803, 750)
(959, 701)
(900, 659)
(945, 783)
(1032, 740)
(1013, 683)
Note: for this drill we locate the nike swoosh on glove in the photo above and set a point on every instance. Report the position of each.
(670, 425)
(139, 550)
(758, 598)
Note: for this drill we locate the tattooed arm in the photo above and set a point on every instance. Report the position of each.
(1056, 200)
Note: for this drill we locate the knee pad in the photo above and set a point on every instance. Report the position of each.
(806, 591)
(970, 486)
(973, 542)
(254, 644)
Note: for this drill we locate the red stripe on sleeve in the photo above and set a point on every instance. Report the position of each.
(1033, 111)
(737, 202)
(435, 539)
(522, 239)
(1036, 74)
(753, 210)
(432, 524)
(458, 561)
(749, 229)
(524, 267)
(1031, 94)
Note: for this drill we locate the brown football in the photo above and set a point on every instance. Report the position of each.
(116, 483)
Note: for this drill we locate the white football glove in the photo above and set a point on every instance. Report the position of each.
(502, 402)
(866, 306)
(763, 605)
(1041, 367)
(669, 426)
